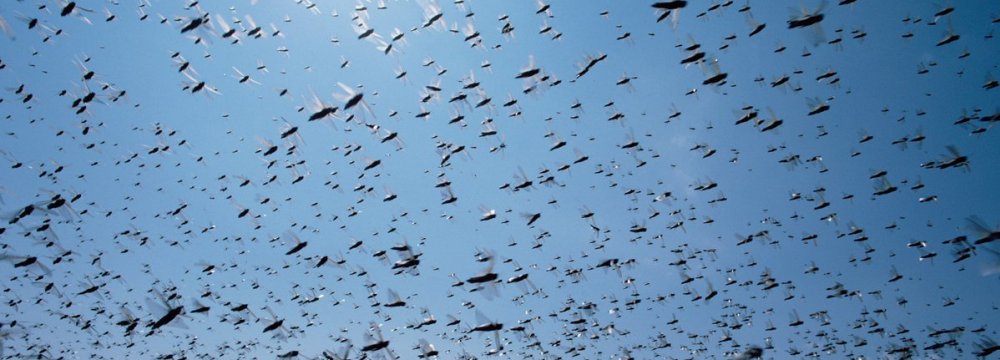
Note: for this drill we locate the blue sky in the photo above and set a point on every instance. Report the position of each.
(208, 144)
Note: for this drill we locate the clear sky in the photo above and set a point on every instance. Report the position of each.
(167, 162)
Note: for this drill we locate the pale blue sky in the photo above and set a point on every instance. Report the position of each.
(878, 92)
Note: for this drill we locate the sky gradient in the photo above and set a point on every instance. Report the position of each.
(649, 220)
